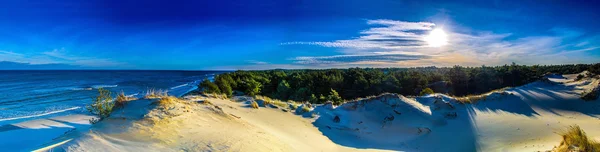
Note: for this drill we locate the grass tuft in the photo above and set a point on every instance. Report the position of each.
(168, 101)
(275, 102)
(575, 139)
(305, 109)
(155, 93)
(469, 99)
(592, 94)
(122, 100)
(253, 104)
(215, 95)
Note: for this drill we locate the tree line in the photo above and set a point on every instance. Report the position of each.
(318, 86)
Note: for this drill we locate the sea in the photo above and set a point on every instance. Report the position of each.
(27, 95)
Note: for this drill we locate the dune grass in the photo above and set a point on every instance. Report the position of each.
(575, 139)
(591, 95)
(469, 99)
(155, 93)
(275, 102)
(305, 109)
(215, 95)
(168, 101)
(253, 104)
(122, 99)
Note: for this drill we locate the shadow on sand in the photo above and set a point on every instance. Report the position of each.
(455, 134)
(367, 128)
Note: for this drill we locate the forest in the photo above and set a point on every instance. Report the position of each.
(318, 86)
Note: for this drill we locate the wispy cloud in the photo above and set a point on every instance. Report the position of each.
(59, 56)
(63, 56)
(387, 34)
(390, 58)
(400, 43)
(257, 62)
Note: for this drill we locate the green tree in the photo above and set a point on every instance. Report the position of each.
(283, 90)
(252, 87)
(313, 99)
(335, 97)
(301, 94)
(322, 99)
(225, 83)
(210, 87)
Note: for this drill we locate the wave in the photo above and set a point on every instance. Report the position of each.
(94, 87)
(78, 89)
(104, 86)
(179, 86)
(38, 115)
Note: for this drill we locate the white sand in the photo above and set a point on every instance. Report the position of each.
(525, 118)
(27, 136)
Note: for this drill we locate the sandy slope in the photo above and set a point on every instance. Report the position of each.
(525, 118)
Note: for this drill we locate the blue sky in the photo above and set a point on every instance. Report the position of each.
(268, 34)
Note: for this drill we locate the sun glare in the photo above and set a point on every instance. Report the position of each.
(437, 38)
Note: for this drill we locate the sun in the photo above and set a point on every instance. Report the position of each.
(437, 38)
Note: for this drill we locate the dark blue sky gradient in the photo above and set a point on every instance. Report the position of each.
(226, 34)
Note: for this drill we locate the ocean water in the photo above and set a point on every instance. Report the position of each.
(26, 95)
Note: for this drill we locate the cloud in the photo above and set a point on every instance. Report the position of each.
(62, 56)
(9, 53)
(56, 58)
(7, 65)
(399, 43)
(388, 34)
(390, 58)
(257, 62)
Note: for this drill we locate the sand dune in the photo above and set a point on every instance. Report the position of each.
(525, 118)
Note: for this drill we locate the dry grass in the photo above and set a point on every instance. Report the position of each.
(275, 102)
(155, 93)
(575, 139)
(591, 95)
(305, 109)
(168, 101)
(253, 104)
(469, 99)
(122, 99)
(217, 96)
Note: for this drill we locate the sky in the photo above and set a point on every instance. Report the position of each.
(292, 34)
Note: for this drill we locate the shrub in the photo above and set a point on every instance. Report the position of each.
(575, 139)
(210, 87)
(335, 97)
(426, 91)
(225, 84)
(102, 105)
(579, 77)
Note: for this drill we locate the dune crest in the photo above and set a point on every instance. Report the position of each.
(511, 119)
